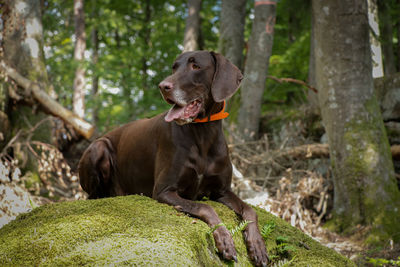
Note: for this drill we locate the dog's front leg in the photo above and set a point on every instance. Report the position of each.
(222, 237)
(254, 242)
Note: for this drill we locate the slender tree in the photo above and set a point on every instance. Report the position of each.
(231, 38)
(192, 30)
(78, 104)
(312, 96)
(398, 36)
(256, 68)
(377, 64)
(387, 37)
(95, 79)
(365, 189)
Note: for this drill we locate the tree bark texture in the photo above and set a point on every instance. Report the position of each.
(23, 38)
(387, 37)
(231, 38)
(387, 90)
(365, 189)
(22, 45)
(95, 79)
(78, 103)
(398, 36)
(377, 64)
(256, 68)
(192, 30)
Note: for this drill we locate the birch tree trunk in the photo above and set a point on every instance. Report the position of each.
(192, 30)
(377, 64)
(95, 79)
(231, 38)
(256, 68)
(78, 103)
(365, 189)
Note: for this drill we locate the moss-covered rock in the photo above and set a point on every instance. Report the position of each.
(138, 231)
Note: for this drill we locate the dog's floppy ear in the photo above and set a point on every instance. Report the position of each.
(227, 78)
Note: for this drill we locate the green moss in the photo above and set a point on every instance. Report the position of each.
(368, 178)
(138, 231)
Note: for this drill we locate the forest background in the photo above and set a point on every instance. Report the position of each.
(313, 132)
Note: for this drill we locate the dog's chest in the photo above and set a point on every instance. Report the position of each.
(198, 177)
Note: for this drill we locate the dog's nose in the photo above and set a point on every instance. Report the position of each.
(166, 86)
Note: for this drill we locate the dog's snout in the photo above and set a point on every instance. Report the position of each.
(166, 86)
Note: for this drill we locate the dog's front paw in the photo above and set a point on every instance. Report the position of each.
(224, 243)
(256, 247)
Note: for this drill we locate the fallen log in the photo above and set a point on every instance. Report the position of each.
(81, 126)
(320, 151)
(306, 151)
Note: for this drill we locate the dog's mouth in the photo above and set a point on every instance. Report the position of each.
(183, 114)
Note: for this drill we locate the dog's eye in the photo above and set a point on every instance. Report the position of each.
(195, 66)
(175, 66)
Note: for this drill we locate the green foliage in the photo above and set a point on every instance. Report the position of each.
(135, 53)
(383, 262)
(233, 230)
(283, 247)
(290, 54)
(215, 228)
(267, 229)
(284, 262)
(138, 41)
(239, 228)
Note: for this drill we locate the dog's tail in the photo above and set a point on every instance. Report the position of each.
(97, 168)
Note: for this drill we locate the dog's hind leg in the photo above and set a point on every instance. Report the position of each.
(96, 169)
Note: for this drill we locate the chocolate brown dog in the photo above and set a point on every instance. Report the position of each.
(181, 155)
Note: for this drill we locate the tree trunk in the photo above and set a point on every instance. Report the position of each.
(387, 37)
(398, 36)
(22, 43)
(192, 30)
(78, 103)
(22, 48)
(146, 31)
(231, 38)
(95, 81)
(311, 95)
(256, 68)
(377, 65)
(365, 190)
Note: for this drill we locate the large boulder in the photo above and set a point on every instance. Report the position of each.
(138, 231)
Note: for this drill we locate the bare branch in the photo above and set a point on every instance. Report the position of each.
(82, 127)
(291, 80)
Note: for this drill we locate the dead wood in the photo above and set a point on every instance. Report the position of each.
(319, 151)
(305, 151)
(82, 127)
(291, 80)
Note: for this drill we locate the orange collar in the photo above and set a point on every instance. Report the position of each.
(215, 117)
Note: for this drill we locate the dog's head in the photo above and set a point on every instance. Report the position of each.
(199, 80)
